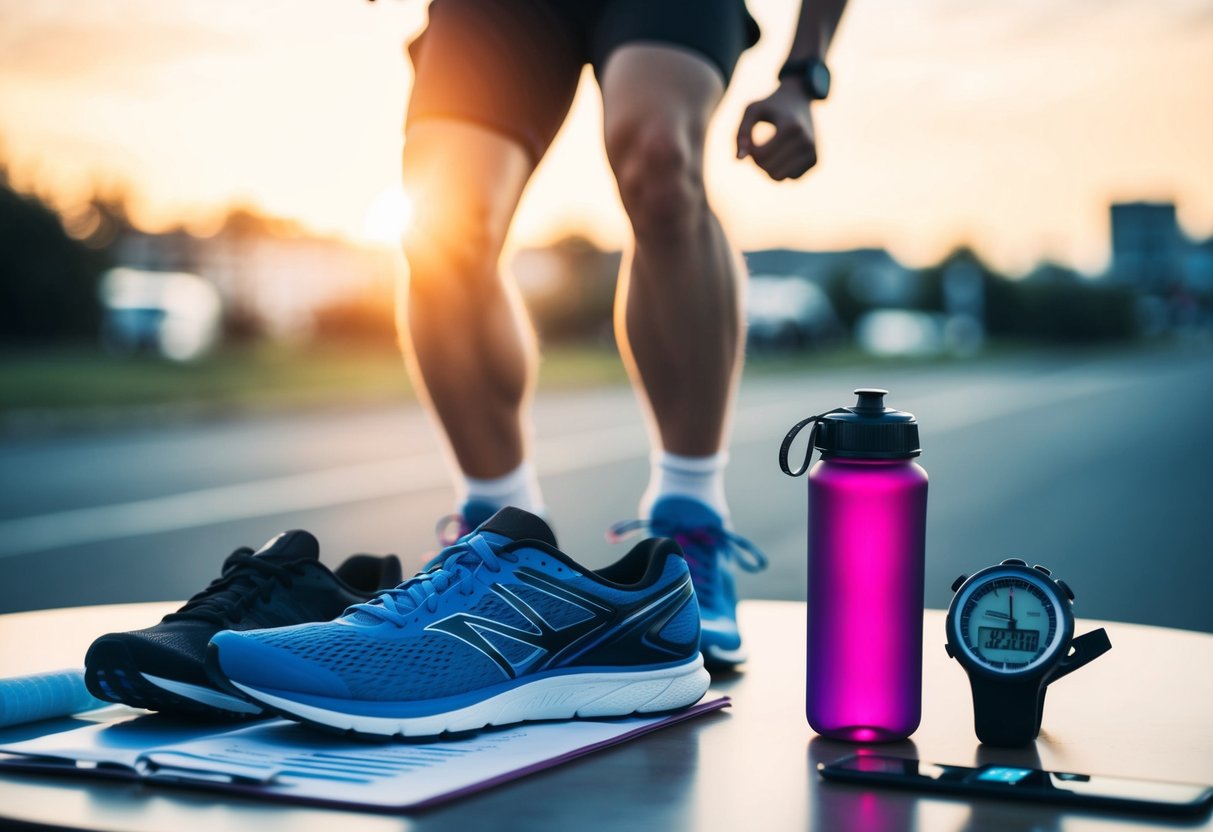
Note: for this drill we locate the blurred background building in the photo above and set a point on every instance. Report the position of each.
(274, 279)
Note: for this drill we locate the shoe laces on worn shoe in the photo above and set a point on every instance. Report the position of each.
(703, 546)
(246, 579)
(460, 523)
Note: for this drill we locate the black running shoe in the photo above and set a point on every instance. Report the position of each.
(161, 668)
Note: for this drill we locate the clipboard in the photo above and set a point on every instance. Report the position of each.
(280, 760)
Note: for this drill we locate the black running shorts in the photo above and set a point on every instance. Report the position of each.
(513, 65)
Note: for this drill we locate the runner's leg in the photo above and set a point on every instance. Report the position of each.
(663, 68)
(678, 313)
(470, 348)
(494, 81)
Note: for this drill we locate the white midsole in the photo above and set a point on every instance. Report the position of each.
(206, 696)
(554, 697)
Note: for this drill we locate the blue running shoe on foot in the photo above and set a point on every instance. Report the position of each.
(708, 547)
(470, 515)
(506, 628)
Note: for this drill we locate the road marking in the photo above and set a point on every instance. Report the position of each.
(279, 495)
(764, 421)
(292, 493)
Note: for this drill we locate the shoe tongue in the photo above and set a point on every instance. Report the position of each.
(517, 524)
(290, 546)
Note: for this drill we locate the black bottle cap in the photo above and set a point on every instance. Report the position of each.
(869, 430)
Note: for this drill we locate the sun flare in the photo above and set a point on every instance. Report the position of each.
(388, 216)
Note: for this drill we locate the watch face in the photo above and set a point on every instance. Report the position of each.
(819, 79)
(1009, 621)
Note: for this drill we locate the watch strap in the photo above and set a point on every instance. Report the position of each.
(1007, 712)
(796, 66)
(799, 68)
(1083, 649)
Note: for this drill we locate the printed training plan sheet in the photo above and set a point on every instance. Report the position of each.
(281, 760)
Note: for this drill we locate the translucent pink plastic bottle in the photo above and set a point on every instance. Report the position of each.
(867, 546)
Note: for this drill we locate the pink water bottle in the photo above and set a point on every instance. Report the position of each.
(867, 557)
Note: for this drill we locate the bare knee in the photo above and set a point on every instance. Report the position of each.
(452, 249)
(464, 182)
(659, 168)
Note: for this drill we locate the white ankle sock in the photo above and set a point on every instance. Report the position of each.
(698, 477)
(519, 488)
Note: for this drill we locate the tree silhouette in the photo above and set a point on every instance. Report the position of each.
(48, 281)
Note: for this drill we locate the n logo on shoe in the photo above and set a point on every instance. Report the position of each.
(638, 625)
(544, 639)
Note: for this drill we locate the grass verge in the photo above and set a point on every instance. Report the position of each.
(77, 386)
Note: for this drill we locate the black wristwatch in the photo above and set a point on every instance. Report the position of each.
(1011, 627)
(813, 75)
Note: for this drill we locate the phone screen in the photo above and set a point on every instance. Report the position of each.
(1025, 782)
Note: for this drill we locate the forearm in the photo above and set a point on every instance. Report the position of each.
(803, 79)
(815, 28)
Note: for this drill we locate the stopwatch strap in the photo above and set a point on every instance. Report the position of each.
(1007, 712)
(1084, 648)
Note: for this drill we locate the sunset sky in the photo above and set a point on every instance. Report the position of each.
(1009, 125)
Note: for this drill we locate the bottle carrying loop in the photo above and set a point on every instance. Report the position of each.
(787, 442)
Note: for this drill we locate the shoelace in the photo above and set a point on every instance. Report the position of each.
(459, 565)
(699, 545)
(450, 528)
(245, 580)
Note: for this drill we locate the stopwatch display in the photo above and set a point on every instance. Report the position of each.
(1008, 622)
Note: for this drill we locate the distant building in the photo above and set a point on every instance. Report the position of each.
(1172, 275)
(1198, 267)
(1147, 246)
(279, 279)
(873, 275)
(174, 314)
(569, 288)
(789, 312)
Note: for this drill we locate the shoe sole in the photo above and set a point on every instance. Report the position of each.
(208, 697)
(586, 695)
(721, 645)
(111, 675)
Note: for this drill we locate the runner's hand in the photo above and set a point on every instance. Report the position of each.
(792, 148)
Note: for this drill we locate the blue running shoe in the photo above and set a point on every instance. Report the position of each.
(470, 515)
(506, 628)
(708, 547)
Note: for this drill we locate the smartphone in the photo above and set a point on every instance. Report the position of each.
(1011, 783)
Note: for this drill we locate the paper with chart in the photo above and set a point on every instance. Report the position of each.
(283, 760)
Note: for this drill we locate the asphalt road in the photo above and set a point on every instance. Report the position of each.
(1098, 466)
